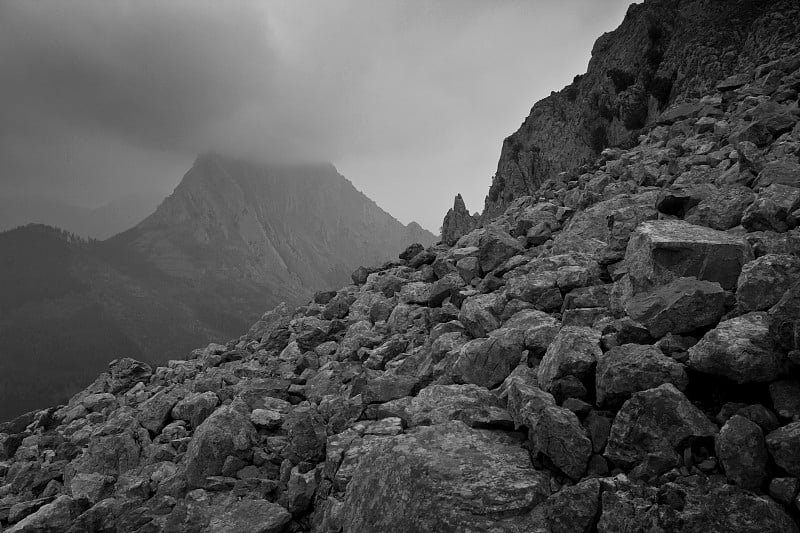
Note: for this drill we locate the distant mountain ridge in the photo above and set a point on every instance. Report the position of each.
(234, 238)
(96, 223)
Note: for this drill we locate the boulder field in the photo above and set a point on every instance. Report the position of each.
(618, 350)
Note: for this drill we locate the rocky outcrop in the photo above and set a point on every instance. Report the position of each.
(611, 353)
(457, 222)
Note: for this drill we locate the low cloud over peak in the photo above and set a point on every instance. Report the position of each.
(107, 98)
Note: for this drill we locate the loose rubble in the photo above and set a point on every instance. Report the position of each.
(615, 350)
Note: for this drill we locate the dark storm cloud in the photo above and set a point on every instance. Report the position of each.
(107, 97)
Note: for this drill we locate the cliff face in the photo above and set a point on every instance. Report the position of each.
(663, 52)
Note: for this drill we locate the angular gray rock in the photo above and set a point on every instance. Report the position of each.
(784, 447)
(495, 247)
(658, 420)
(446, 477)
(784, 319)
(660, 251)
(741, 349)
(630, 368)
(487, 362)
(765, 280)
(681, 306)
(558, 434)
(689, 504)
(573, 352)
(479, 314)
(225, 433)
(742, 451)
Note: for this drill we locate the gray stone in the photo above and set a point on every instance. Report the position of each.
(689, 504)
(681, 306)
(784, 447)
(226, 432)
(559, 436)
(764, 281)
(479, 314)
(495, 247)
(195, 407)
(785, 395)
(742, 451)
(446, 477)
(251, 516)
(771, 209)
(487, 362)
(630, 368)
(741, 349)
(656, 420)
(573, 352)
(663, 250)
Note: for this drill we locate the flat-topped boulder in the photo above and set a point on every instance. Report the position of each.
(662, 250)
(446, 477)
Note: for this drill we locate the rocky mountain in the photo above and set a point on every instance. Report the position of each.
(663, 53)
(618, 350)
(288, 230)
(233, 239)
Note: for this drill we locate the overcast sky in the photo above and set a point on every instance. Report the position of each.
(410, 99)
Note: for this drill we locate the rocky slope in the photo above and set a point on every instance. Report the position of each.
(234, 239)
(664, 52)
(617, 351)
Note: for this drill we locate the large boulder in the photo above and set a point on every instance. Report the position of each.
(741, 349)
(557, 434)
(659, 420)
(723, 209)
(495, 247)
(630, 368)
(195, 407)
(479, 314)
(115, 447)
(662, 250)
(765, 280)
(250, 516)
(154, 412)
(573, 509)
(784, 171)
(539, 288)
(784, 447)
(741, 450)
(538, 328)
(687, 505)
(487, 362)
(771, 208)
(681, 306)
(57, 515)
(446, 477)
(573, 352)
(226, 432)
(526, 400)
(785, 319)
